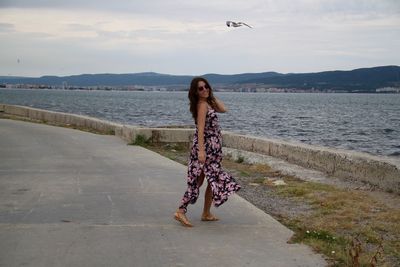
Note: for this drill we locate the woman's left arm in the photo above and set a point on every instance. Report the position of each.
(218, 105)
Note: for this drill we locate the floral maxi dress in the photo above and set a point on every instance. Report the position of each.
(222, 183)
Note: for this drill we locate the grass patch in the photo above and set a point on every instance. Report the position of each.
(259, 180)
(141, 140)
(344, 214)
(176, 147)
(244, 173)
(240, 159)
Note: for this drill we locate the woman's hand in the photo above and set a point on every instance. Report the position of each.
(218, 105)
(202, 156)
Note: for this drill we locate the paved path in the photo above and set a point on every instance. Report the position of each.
(70, 198)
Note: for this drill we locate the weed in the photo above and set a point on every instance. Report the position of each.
(321, 235)
(110, 132)
(292, 191)
(176, 147)
(240, 159)
(244, 173)
(141, 140)
(378, 255)
(258, 180)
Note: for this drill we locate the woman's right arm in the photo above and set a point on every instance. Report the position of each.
(201, 122)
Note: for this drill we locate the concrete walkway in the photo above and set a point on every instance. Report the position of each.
(71, 198)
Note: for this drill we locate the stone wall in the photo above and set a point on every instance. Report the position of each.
(156, 135)
(384, 172)
(52, 117)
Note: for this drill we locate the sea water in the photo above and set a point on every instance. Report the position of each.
(362, 122)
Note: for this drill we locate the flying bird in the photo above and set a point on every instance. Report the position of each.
(236, 24)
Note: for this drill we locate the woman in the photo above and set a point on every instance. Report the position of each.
(206, 154)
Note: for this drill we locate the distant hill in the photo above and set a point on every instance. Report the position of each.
(365, 79)
(358, 79)
(145, 78)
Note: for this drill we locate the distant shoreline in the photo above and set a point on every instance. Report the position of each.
(216, 89)
(373, 79)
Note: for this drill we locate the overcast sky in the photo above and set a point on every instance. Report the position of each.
(48, 37)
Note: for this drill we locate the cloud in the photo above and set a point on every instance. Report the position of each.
(190, 37)
(6, 27)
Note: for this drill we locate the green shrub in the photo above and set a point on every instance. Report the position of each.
(240, 159)
(141, 140)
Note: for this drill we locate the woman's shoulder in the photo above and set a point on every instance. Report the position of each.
(202, 105)
(202, 108)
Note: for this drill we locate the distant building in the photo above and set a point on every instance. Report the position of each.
(388, 90)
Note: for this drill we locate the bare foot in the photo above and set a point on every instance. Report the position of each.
(209, 218)
(181, 217)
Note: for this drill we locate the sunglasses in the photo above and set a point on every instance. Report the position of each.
(201, 88)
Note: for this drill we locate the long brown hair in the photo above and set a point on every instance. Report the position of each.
(194, 95)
